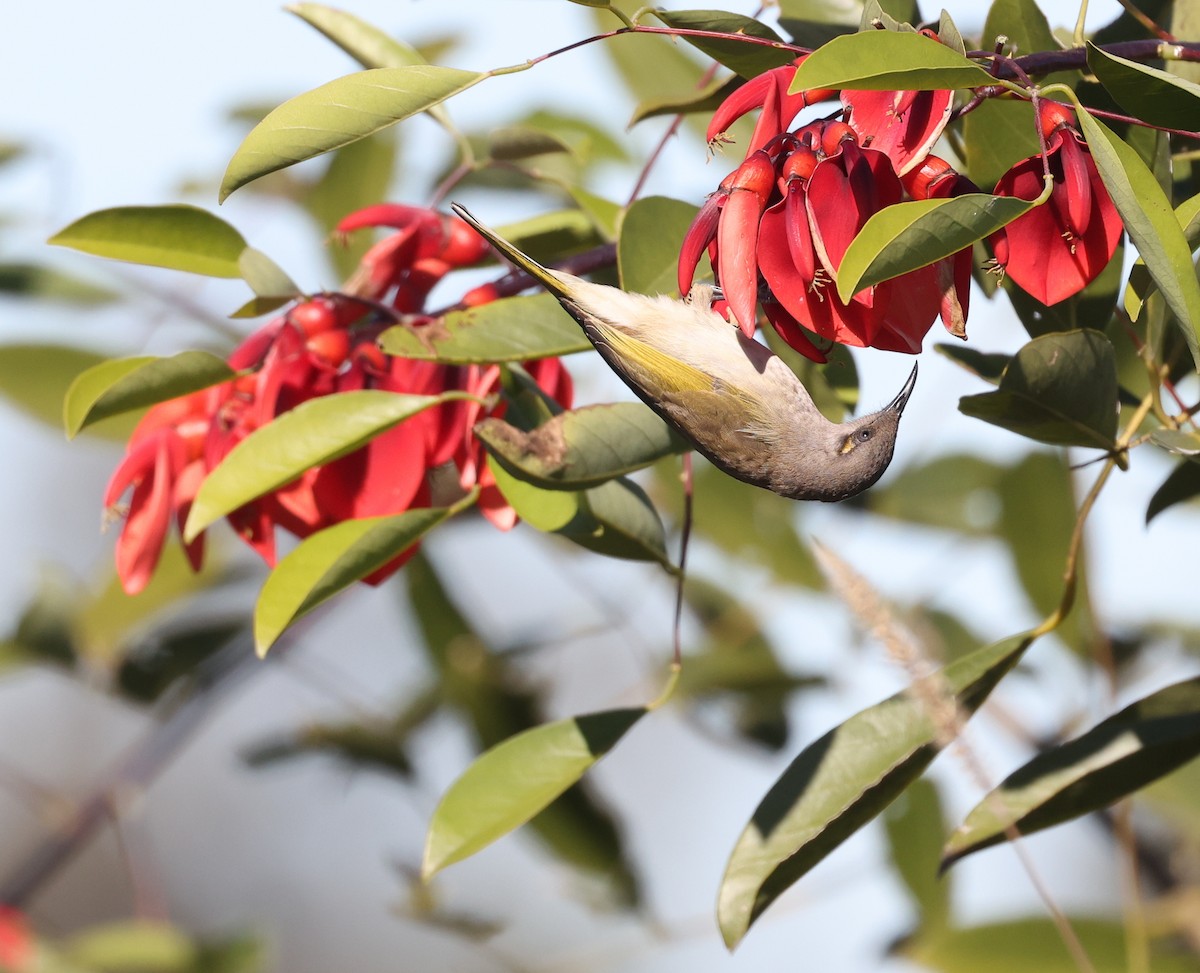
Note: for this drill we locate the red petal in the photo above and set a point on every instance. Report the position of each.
(700, 234)
(903, 125)
(141, 540)
(790, 330)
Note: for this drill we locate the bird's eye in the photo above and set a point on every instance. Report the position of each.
(864, 435)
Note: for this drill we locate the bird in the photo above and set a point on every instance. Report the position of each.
(730, 396)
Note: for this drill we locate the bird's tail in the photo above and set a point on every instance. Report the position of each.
(543, 275)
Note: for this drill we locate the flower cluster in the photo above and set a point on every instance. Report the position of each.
(779, 225)
(1056, 250)
(319, 347)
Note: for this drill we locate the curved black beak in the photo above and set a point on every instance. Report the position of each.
(901, 400)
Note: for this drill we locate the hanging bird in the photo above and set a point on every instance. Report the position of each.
(733, 398)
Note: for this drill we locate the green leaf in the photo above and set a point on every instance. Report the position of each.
(125, 384)
(987, 365)
(583, 447)
(1144, 741)
(33, 281)
(620, 521)
(748, 60)
(1177, 441)
(1029, 944)
(315, 432)
(705, 99)
(513, 781)
(131, 947)
(884, 60)
(910, 235)
(998, 134)
(331, 560)
(1060, 388)
(517, 142)
(35, 379)
(1141, 284)
(368, 45)
(338, 113)
(1183, 484)
(1147, 93)
(544, 510)
(265, 277)
(651, 235)
(1150, 222)
(177, 237)
(915, 837)
(512, 329)
(841, 781)
(954, 492)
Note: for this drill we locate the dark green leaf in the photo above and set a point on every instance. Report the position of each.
(652, 233)
(331, 560)
(915, 837)
(512, 329)
(1151, 224)
(315, 432)
(748, 60)
(156, 663)
(1147, 93)
(1060, 388)
(620, 521)
(998, 134)
(582, 447)
(704, 100)
(1118, 756)
(177, 237)
(1183, 484)
(884, 60)
(519, 142)
(125, 384)
(45, 283)
(338, 113)
(987, 365)
(955, 492)
(841, 781)
(915, 234)
(513, 781)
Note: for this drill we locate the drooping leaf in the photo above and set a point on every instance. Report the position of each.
(516, 142)
(35, 377)
(1144, 741)
(1147, 93)
(151, 666)
(513, 781)
(841, 781)
(315, 432)
(1150, 222)
(338, 113)
(582, 447)
(747, 60)
(652, 231)
(915, 837)
(915, 234)
(497, 706)
(367, 44)
(125, 384)
(1183, 484)
(178, 237)
(37, 282)
(513, 329)
(1060, 388)
(265, 277)
(1141, 284)
(987, 365)
(884, 60)
(705, 100)
(331, 560)
(620, 521)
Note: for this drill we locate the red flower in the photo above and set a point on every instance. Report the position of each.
(777, 228)
(16, 941)
(320, 347)
(1056, 250)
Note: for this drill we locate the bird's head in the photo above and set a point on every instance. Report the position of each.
(857, 452)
